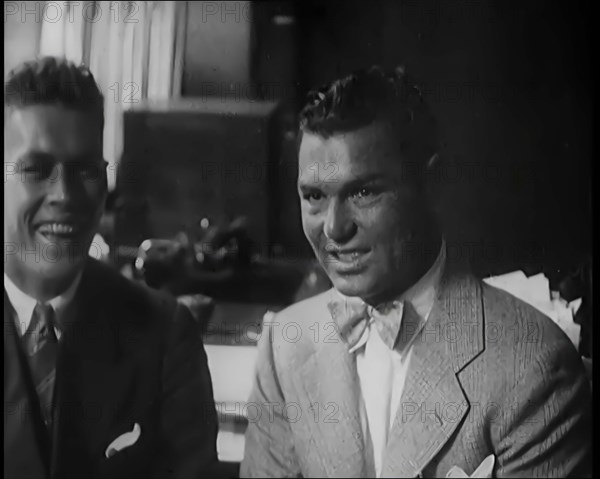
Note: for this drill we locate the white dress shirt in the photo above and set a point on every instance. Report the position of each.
(23, 304)
(382, 372)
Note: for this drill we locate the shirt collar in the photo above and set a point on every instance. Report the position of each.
(24, 304)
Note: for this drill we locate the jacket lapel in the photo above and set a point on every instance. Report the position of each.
(433, 405)
(92, 380)
(337, 434)
(25, 443)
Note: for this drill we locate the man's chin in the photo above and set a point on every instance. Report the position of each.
(62, 269)
(59, 267)
(354, 286)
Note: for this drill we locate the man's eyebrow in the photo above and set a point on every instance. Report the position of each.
(308, 188)
(354, 183)
(369, 177)
(365, 179)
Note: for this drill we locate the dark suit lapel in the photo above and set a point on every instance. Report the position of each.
(93, 377)
(433, 405)
(25, 443)
(337, 434)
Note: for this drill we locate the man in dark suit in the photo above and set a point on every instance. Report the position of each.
(409, 366)
(102, 378)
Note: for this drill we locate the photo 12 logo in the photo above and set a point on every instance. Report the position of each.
(54, 12)
(226, 12)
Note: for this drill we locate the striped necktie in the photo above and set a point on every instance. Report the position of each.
(41, 346)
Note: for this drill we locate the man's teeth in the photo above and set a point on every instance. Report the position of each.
(57, 228)
(348, 257)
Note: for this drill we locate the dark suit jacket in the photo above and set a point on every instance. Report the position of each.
(489, 375)
(128, 355)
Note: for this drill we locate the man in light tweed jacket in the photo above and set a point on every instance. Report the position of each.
(409, 366)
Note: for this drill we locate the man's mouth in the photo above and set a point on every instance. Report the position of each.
(347, 258)
(61, 231)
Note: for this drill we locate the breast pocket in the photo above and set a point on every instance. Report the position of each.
(129, 452)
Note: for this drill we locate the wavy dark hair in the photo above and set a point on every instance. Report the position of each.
(54, 81)
(371, 95)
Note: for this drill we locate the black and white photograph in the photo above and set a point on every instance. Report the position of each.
(261, 239)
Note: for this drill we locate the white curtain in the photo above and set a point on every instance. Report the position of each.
(134, 50)
(62, 29)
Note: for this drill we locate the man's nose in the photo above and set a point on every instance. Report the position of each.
(61, 186)
(339, 225)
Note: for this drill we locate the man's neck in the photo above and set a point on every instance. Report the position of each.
(40, 288)
(431, 250)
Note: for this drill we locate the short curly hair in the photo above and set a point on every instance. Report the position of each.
(371, 95)
(54, 81)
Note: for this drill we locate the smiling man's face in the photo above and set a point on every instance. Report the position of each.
(54, 190)
(361, 211)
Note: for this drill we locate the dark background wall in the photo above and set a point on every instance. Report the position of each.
(510, 83)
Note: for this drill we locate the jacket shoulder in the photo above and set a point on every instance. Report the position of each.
(125, 298)
(520, 334)
(505, 310)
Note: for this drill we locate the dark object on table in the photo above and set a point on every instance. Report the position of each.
(158, 261)
(216, 261)
(215, 247)
(206, 248)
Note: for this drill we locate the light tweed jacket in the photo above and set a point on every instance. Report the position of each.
(489, 375)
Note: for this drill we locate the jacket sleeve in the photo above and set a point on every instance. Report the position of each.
(269, 448)
(545, 430)
(188, 423)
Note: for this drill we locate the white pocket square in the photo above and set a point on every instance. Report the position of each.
(124, 440)
(485, 469)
